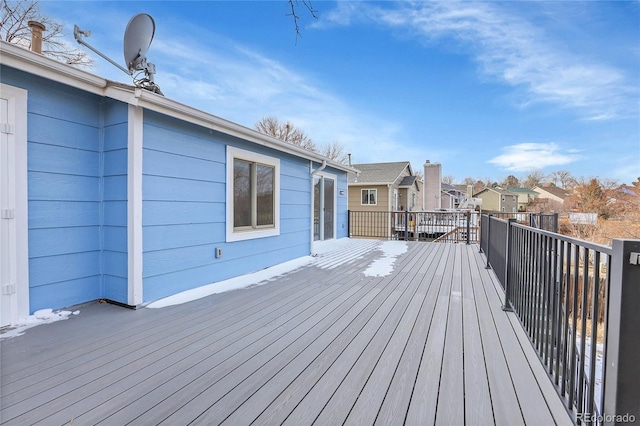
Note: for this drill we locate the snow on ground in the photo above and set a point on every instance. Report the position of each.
(384, 265)
(256, 278)
(325, 254)
(42, 316)
(599, 366)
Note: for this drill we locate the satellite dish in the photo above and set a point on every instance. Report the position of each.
(137, 40)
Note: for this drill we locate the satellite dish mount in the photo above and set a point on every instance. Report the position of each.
(137, 40)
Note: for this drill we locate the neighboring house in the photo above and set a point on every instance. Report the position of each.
(526, 196)
(384, 187)
(113, 192)
(498, 200)
(452, 195)
(551, 197)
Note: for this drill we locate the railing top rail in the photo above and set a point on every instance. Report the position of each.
(586, 244)
(495, 218)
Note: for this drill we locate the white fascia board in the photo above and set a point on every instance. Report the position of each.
(369, 184)
(36, 64)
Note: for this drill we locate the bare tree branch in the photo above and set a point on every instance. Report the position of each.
(14, 28)
(286, 132)
(294, 4)
(336, 152)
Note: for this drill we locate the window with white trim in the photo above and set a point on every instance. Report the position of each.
(253, 194)
(369, 197)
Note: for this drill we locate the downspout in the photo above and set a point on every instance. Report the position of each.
(319, 169)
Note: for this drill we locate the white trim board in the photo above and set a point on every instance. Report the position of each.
(16, 209)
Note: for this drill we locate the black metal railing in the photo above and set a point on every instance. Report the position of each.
(438, 226)
(546, 221)
(560, 290)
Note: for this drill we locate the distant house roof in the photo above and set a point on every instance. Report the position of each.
(453, 188)
(498, 190)
(519, 190)
(380, 173)
(408, 181)
(553, 190)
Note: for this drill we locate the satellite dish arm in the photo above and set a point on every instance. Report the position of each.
(77, 34)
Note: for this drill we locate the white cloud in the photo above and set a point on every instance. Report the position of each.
(511, 49)
(532, 156)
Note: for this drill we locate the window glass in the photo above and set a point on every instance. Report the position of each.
(241, 193)
(369, 196)
(264, 194)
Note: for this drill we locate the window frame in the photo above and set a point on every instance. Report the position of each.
(368, 195)
(262, 231)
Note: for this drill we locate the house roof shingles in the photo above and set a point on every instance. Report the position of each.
(554, 190)
(378, 172)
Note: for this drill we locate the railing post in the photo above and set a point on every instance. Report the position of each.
(507, 267)
(349, 223)
(468, 215)
(488, 240)
(622, 370)
(406, 225)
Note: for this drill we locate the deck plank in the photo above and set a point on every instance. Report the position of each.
(318, 356)
(427, 344)
(422, 406)
(396, 402)
(477, 407)
(120, 364)
(451, 394)
(505, 404)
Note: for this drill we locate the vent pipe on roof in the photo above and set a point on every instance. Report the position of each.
(36, 35)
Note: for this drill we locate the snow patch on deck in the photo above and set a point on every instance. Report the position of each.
(325, 254)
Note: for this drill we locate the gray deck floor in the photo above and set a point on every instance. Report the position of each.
(427, 344)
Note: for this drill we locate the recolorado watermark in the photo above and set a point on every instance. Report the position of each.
(606, 418)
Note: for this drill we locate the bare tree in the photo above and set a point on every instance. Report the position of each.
(286, 132)
(448, 179)
(336, 152)
(594, 196)
(562, 178)
(510, 180)
(14, 28)
(534, 178)
(469, 181)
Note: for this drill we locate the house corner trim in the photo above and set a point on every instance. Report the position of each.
(134, 206)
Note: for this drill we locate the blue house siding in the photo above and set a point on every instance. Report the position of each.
(64, 195)
(184, 193)
(342, 207)
(77, 193)
(114, 205)
(183, 205)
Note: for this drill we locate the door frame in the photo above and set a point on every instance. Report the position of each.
(322, 175)
(16, 209)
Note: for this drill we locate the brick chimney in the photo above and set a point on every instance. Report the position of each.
(432, 185)
(36, 35)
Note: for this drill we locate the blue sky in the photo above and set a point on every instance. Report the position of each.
(488, 89)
